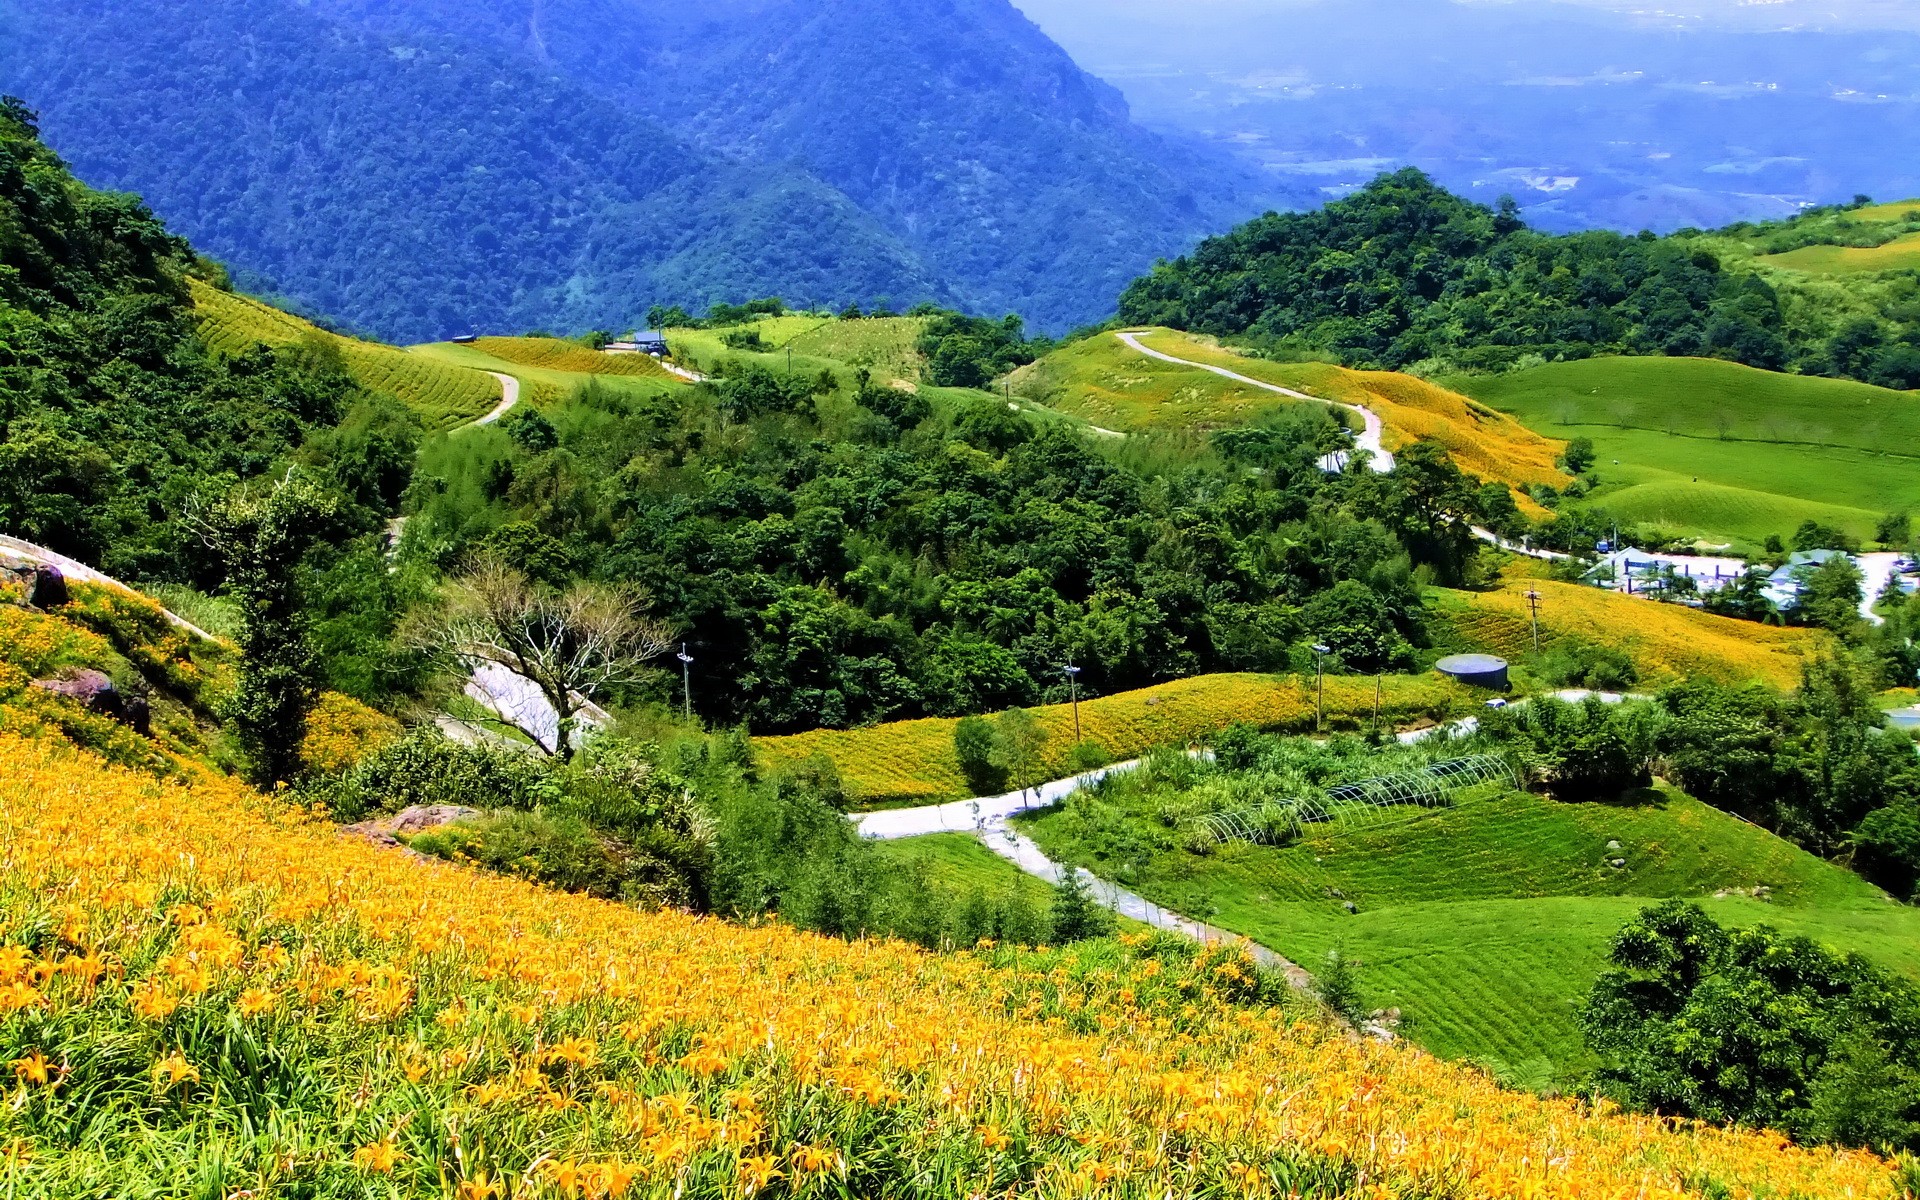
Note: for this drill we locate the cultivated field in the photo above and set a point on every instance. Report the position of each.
(1487, 923)
(570, 357)
(1725, 451)
(1666, 641)
(1107, 383)
(444, 394)
(912, 762)
(561, 375)
(1900, 254)
(183, 957)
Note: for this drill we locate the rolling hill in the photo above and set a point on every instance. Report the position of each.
(1721, 450)
(1103, 381)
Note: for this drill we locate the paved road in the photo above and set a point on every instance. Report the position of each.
(1368, 441)
(509, 396)
(1876, 571)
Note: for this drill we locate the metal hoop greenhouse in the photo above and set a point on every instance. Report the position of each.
(1361, 802)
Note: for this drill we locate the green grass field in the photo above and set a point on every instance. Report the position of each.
(959, 863)
(1901, 254)
(1486, 923)
(1720, 450)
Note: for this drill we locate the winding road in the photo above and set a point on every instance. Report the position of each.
(509, 396)
(1369, 440)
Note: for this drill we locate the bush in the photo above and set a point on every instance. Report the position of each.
(427, 768)
(1076, 917)
(562, 852)
(1572, 663)
(974, 745)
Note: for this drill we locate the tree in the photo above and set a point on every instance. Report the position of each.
(1755, 1027)
(1578, 456)
(565, 647)
(260, 537)
(1830, 596)
(1018, 741)
(1075, 915)
(974, 745)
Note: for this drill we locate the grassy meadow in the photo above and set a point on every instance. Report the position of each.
(1902, 253)
(444, 393)
(1722, 450)
(1485, 923)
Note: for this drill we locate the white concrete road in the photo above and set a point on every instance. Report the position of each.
(1876, 571)
(73, 569)
(1369, 440)
(509, 396)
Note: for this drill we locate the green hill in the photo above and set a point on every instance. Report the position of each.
(1485, 923)
(1722, 450)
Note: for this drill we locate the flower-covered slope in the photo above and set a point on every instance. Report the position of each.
(202, 992)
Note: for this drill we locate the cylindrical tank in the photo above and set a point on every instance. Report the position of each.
(1476, 670)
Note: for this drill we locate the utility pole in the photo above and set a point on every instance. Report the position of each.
(686, 682)
(1073, 689)
(1379, 680)
(1533, 603)
(1320, 652)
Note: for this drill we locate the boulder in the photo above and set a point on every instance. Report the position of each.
(387, 831)
(48, 589)
(91, 689)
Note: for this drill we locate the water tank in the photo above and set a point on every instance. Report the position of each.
(1476, 670)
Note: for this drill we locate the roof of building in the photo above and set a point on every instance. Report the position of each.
(1470, 664)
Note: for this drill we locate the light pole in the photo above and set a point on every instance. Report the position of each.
(1073, 689)
(1533, 603)
(1320, 652)
(686, 682)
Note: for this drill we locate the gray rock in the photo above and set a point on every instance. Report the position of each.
(91, 689)
(48, 589)
(1618, 862)
(1351, 907)
(1613, 845)
(387, 831)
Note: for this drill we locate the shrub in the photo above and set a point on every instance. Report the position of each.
(562, 852)
(427, 768)
(973, 746)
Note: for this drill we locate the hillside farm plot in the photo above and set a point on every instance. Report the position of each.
(1485, 921)
(1721, 450)
(1900, 254)
(547, 384)
(571, 358)
(1667, 642)
(444, 394)
(568, 1036)
(912, 762)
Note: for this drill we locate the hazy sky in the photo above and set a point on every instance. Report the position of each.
(1832, 14)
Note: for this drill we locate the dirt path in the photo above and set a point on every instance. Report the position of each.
(1369, 440)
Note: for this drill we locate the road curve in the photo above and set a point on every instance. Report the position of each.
(509, 396)
(1369, 440)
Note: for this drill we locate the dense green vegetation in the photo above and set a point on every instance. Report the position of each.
(1404, 274)
(1759, 1028)
(846, 556)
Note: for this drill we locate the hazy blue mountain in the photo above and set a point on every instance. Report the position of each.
(420, 190)
(1605, 113)
(414, 167)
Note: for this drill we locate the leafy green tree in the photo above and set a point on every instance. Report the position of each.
(1578, 456)
(1830, 596)
(1018, 743)
(1075, 915)
(1754, 1027)
(1432, 505)
(1357, 626)
(977, 750)
(260, 536)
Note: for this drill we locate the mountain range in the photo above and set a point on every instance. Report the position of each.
(417, 169)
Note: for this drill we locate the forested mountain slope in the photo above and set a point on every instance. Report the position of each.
(416, 190)
(413, 169)
(1405, 274)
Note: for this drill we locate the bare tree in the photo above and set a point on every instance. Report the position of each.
(550, 652)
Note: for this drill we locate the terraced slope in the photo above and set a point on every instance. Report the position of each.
(383, 1006)
(1902, 253)
(1666, 641)
(443, 394)
(549, 370)
(912, 762)
(1487, 923)
(571, 357)
(1722, 450)
(1103, 381)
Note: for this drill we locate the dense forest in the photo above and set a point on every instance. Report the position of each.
(417, 171)
(1404, 274)
(847, 556)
